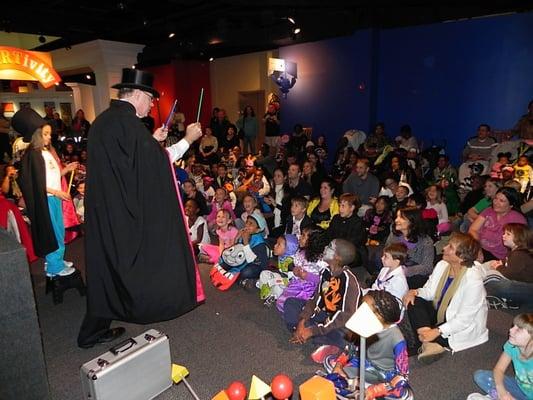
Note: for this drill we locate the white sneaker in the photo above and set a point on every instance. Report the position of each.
(66, 271)
(67, 264)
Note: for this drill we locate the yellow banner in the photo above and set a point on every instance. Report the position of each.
(19, 64)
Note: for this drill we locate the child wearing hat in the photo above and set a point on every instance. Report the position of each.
(41, 182)
(255, 248)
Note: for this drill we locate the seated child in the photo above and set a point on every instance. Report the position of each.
(250, 206)
(435, 202)
(226, 233)
(391, 278)
(377, 222)
(271, 284)
(347, 225)
(509, 282)
(518, 350)
(207, 188)
(298, 220)
(246, 259)
(256, 188)
(220, 201)
(387, 363)
(196, 224)
(336, 299)
(496, 169)
(523, 173)
(78, 201)
(307, 266)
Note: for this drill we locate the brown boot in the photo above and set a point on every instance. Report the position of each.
(430, 352)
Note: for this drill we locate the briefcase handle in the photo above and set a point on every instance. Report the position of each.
(123, 346)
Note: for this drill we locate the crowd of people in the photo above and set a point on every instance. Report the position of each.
(377, 220)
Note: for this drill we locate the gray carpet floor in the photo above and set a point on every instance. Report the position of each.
(231, 337)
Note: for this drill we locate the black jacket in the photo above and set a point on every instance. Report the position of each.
(350, 229)
(32, 182)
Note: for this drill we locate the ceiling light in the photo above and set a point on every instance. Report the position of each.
(291, 20)
(297, 31)
(133, 67)
(211, 59)
(171, 35)
(42, 39)
(88, 76)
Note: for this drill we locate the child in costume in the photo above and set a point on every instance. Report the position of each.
(307, 266)
(271, 284)
(226, 233)
(387, 362)
(518, 350)
(336, 299)
(244, 260)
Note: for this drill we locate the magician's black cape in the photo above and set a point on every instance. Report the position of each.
(139, 265)
(32, 182)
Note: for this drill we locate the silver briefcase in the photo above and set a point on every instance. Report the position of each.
(138, 368)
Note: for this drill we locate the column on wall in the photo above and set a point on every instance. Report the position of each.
(105, 58)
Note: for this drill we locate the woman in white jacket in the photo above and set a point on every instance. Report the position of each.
(450, 311)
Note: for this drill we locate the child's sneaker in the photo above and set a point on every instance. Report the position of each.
(320, 354)
(478, 396)
(329, 363)
(64, 272)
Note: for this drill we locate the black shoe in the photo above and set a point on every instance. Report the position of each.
(58, 284)
(106, 337)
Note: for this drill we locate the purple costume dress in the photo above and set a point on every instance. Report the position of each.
(302, 288)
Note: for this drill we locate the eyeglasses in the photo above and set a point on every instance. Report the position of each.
(148, 95)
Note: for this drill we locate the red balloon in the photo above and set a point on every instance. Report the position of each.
(281, 387)
(236, 391)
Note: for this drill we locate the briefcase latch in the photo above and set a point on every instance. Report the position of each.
(149, 338)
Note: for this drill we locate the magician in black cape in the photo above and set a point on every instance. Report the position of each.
(139, 263)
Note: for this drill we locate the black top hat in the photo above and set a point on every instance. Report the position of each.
(137, 79)
(26, 121)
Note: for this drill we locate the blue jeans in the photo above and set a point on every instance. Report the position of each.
(249, 144)
(251, 271)
(518, 292)
(291, 315)
(485, 381)
(54, 260)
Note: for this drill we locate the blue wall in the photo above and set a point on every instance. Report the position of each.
(326, 94)
(442, 79)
